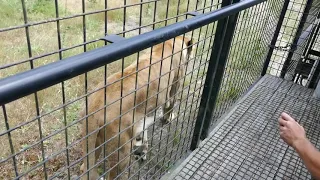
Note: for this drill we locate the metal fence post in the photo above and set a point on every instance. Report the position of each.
(217, 62)
(275, 37)
(296, 38)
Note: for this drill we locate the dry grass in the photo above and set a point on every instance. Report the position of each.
(44, 39)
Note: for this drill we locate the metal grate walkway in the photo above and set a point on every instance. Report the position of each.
(246, 143)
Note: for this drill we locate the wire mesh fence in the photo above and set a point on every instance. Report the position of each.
(46, 31)
(44, 134)
(133, 118)
(254, 30)
(294, 55)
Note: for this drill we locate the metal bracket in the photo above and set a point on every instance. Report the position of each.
(314, 52)
(194, 13)
(112, 38)
(281, 48)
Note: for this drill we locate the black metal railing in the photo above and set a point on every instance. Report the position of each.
(26, 83)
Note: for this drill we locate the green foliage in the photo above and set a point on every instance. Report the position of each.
(73, 112)
(176, 139)
(95, 45)
(41, 8)
(10, 13)
(115, 15)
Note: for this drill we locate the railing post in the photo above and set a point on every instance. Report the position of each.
(217, 62)
(296, 38)
(275, 37)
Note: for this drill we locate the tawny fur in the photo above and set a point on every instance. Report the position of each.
(128, 116)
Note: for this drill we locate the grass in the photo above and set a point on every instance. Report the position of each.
(40, 9)
(10, 10)
(176, 138)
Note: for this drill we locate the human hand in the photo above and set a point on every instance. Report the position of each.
(290, 131)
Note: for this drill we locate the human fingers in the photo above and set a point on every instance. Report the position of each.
(286, 117)
(282, 122)
(283, 128)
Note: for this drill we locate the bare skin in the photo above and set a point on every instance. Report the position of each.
(294, 135)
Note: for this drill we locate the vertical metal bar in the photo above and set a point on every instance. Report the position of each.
(218, 59)
(10, 140)
(203, 47)
(275, 36)
(105, 18)
(159, 81)
(120, 118)
(148, 82)
(168, 84)
(136, 85)
(315, 77)
(313, 33)
(249, 44)
(174, 98)
(63, 90)
(25, 17)
(310, 44)
(166, 23)
(85, 84)
(244, 25)
(105, 115)
(264, 25)
(193, 96)
(167, 98)
(148, 86)
(158, 88)
(84, 25)
(216, 50)
(105, 89)
(121, 85)
(315, 74)
(178, 11)
(296, 38)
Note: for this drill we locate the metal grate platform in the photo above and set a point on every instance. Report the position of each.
(246, 143)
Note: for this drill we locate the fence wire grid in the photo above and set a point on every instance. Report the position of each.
(296, 53)
(254, 30)
(94, 118)
(41, 134)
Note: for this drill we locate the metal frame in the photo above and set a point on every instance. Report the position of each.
(296, 39)
(275, 37)
(218, 59)
(217, 33)
(23, 84)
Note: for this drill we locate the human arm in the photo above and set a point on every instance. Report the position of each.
(309, 155)
(294, 135)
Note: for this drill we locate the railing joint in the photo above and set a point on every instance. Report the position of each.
(112, 38)
(194, 13)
